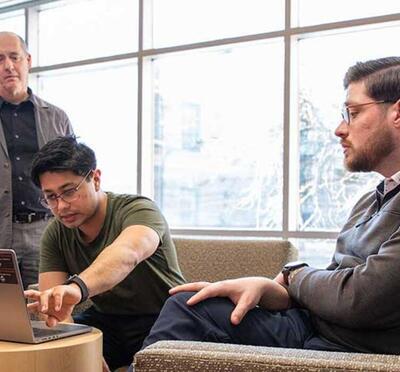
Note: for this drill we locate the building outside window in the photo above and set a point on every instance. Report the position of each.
(222, 111)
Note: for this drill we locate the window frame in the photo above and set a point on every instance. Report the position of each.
(144, 165)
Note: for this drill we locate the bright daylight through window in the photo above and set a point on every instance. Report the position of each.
(222, 111)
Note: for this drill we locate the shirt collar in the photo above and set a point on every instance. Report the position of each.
(396, 177)
(391, 182)
(30, 98)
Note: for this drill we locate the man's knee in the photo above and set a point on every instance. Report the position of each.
(178, 300)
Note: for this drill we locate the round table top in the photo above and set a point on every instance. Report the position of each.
(6, 346)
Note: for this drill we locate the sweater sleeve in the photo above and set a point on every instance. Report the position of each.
(363, 296)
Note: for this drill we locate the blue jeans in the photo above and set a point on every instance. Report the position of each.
(123, 335)
(209, 321)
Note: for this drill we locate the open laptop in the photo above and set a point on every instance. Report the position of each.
(15, 323)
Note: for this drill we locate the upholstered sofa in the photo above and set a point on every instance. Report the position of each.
(213, 259)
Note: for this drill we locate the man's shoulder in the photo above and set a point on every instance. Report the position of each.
(364, 202)
(124, 207)
(40, 102)
(122, 200)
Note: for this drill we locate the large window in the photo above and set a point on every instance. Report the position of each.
(76, 30)
(101, 102)
(222, 111)
(13, 21)
(208, 169)
(175, 22)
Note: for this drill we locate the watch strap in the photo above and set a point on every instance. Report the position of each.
(292, 273)
(290, 267)
(81, 284)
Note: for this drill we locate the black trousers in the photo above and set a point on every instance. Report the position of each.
(123, 335)
(210, 321)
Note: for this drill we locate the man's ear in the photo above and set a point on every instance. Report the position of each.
(29, 59)
(396, 114)
(97, 179)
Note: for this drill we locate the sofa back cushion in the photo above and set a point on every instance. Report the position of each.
(212, 259)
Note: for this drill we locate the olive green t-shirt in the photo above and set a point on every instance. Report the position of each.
(145, 289)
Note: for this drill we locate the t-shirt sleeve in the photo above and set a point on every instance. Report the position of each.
(51, 257)
(144, 212)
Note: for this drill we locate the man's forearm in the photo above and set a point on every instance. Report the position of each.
(110, 268)
(115, 262)
(352, 297)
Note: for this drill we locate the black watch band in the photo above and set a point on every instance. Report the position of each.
(289, 267)
(81, 284)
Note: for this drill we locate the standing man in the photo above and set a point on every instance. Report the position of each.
(352, 305)
(115, 249)
(26, 124)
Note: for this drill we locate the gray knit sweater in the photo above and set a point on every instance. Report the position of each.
(355, 302)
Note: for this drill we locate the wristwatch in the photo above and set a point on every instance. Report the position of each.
(81, 284)
(290, 267)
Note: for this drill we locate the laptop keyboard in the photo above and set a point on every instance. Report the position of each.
(43, 332)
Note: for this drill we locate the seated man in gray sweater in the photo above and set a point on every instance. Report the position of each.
(352, 305)
(115, 249)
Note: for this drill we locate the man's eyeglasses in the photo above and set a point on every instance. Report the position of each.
(69, 195)
(346, 115)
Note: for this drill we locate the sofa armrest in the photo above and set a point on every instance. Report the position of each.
(186, 356)
(217, 258)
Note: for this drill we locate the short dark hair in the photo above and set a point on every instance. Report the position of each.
(381, 77)
(63, 154)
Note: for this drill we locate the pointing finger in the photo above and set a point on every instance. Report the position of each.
(188, 287)
(212, 290)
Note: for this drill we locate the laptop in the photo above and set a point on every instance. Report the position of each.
(15, 322)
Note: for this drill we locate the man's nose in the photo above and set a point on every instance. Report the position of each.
(62, 204)
(342, 129)
(8, 64)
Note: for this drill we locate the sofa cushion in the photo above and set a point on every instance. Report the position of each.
(186, 356)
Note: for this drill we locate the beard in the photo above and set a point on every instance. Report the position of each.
(372, 152)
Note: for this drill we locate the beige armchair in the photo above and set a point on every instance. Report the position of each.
(213, 259)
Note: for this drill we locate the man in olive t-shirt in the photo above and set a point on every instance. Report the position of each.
(115, 249)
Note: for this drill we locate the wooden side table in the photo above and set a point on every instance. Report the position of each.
(72, 354)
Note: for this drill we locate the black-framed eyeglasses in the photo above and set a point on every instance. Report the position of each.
(70, 195)
(346, 112)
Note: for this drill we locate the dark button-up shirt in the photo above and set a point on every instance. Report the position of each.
(22, 144)
(50, 122)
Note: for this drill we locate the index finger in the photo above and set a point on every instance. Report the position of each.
(32, 294)
(212, 290)
(57, 300)
(188, 287)
(44, 298)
